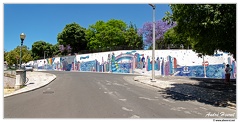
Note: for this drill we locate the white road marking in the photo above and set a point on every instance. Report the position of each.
(117, 84)
(135, 116)
(126, 109)
(123, 99)
(178, 109)
(146, 98)
(168, 101)
(196, 112)
(203, 108)
(175, 109)
(181, 108)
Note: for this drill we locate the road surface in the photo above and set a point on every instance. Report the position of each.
(104, 95)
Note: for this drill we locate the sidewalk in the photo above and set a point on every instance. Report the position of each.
(208, 91)
(35, 80)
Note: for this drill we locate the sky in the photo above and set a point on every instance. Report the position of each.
(45, 21)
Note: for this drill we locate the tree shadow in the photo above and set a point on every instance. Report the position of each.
(211, 92)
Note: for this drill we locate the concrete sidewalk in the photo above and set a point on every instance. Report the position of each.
(35, 80)
(184, 88)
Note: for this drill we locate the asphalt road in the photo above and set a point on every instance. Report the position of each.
(101, 95)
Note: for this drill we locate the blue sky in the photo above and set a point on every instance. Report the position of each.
(45, 21)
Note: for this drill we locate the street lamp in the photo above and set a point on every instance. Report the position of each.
(44, 58)
(20, 73)
(44, 53)
(153, 49)
(22, 37)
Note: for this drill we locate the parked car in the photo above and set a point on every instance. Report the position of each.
(28, 68)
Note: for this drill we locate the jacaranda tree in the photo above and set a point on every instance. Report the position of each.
(160, 28)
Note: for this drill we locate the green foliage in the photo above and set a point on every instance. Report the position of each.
(105, 35)
(39, 47)
(174, 40)
(131, 38)
(13, 56)
(209, 26)
(113, 35)
(74, 35)
(55, 50)
(5, 55)
(27, 57)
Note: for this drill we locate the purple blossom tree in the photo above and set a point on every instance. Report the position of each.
(61, 48)
(147, 31)
(65, 49)
(68, 48)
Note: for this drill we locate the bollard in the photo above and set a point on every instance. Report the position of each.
(20, 78)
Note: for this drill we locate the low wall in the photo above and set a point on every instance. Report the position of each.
(167, 62)
(9, 82)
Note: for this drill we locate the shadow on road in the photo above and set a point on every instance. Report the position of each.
(215, 93)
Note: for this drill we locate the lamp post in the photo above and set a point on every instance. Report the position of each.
(153, 49)
(20, 73)
(204, 68)
(22, 37)
(44, 53)
(44, 59)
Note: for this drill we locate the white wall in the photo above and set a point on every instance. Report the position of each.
(184, 57)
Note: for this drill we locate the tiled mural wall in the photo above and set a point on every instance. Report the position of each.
(168, 62)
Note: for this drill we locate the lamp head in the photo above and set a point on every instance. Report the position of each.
(22, 36)
(153, 6)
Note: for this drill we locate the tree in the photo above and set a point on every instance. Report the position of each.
(106, 35)
(55, 50)
(65, 50)
(5, 55)
(26, 54)
(13, 56)
(27, 57)
(74, 36)
(132, 40)
(160, 28)
(39, 47)
(176, 40)
(209, 26)
(113, 35)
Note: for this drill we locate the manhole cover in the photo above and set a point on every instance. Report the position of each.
(48, 92)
